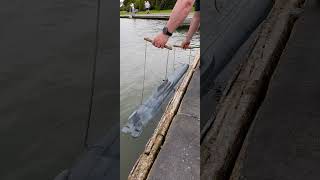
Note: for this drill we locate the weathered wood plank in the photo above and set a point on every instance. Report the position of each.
(223, 141)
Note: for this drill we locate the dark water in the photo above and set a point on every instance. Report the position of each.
(46, 55)
(131, 76)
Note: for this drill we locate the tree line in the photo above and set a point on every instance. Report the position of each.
(155, 4)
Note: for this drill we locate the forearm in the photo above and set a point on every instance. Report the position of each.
(194, 25)
(179, 13)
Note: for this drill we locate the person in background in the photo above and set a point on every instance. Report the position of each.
(132, 9)
(179, 13)
(147, 6)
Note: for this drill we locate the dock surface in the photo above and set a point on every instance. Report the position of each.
(179, 157)
(150, 16)
(164, 17)
(147, 16)
(283, 143)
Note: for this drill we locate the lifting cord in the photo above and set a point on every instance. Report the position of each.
(167, 63)
(216, 6)
(174, 58)
(144, 71)
(166, 76)
(189, 56)
(93, 73)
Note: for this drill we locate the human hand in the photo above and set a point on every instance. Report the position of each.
(185, 44)
(160, 40)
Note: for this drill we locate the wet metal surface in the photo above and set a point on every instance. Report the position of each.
(149, 108)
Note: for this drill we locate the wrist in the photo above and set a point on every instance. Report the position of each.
(166, 32)
(187, 39)
(165, 36)
(170, 29)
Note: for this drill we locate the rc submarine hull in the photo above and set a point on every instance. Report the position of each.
(149, 108)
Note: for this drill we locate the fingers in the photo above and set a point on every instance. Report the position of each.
(160, 41)
(154, 43)
(158, 44)
(185, 45)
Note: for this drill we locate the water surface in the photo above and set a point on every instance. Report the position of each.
(132, 55)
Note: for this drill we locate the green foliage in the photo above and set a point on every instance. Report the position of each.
(163, 4)
(139, 4)
(123, 8)
(155, 4)
(126, 4)
(167, 4)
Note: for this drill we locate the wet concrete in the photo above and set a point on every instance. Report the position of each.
(179, 157)
(283, 143)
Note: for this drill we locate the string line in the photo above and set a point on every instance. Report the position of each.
(93, 73)
(144, 71)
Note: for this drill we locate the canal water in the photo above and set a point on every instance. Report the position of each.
(132, 52)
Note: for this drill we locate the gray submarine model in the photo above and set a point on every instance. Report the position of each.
(149, 108)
